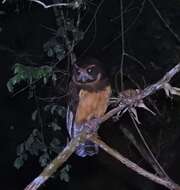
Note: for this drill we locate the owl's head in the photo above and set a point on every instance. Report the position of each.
(87, 71)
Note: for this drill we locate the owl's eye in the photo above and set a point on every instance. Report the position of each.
(89, 70)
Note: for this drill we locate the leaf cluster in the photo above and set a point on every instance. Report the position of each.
(28, 74)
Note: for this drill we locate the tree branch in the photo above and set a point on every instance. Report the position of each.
(145, 153)
(165, 182)
(123, 104)
(57, 162)
(74, 4)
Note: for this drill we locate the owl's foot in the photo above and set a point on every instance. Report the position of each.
(92, 125)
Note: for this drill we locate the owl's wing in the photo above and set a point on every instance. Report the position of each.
(73, 100)
(87, 148)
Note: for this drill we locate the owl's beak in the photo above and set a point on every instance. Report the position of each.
(84, 77)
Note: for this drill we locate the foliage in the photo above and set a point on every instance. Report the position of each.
(56, 109)
(29, 74)
(33, 145)
(64, 173)
(56, 48)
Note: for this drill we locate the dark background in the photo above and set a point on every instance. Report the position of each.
(148, 39)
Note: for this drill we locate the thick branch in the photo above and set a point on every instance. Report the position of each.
(71, 146)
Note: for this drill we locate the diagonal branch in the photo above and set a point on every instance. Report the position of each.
(165, 182)
(123, 104)
(146, 153)
(57, 162)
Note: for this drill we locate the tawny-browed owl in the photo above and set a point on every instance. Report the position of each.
(89, 93)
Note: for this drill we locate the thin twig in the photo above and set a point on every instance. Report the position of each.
(123, 49)
(92, 41)
(129, 27)
(133, 58)
(148, 155)
(94, 16)
(39, 116)
(164, 21)
(122, 45)
(55, 4)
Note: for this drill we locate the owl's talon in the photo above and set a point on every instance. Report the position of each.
(92, 125)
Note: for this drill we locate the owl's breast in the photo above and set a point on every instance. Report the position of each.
(92, 104)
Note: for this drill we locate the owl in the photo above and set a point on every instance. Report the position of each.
(89, 93)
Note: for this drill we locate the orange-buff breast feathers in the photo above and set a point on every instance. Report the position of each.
(92, 104)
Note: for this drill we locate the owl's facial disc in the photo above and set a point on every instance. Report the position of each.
(83, 77)
(87, 75)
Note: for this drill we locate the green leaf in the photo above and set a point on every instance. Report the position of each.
(36, 132)
(34, 149)
(45, 80)
(20, 149)
(55, 142)
(68, 167)
(54, 77)
(24, 156)
(18, 163)
(64, 175)
(18, 68)
(53, 108)
(34, 115)
(47, 107)
(29, 142)
(54, 126)
(62, 111)
(55, 145)
(50, 52)
(10, 86)
(44, 159)
(29, 74)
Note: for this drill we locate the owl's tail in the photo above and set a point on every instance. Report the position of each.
(84, 149)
